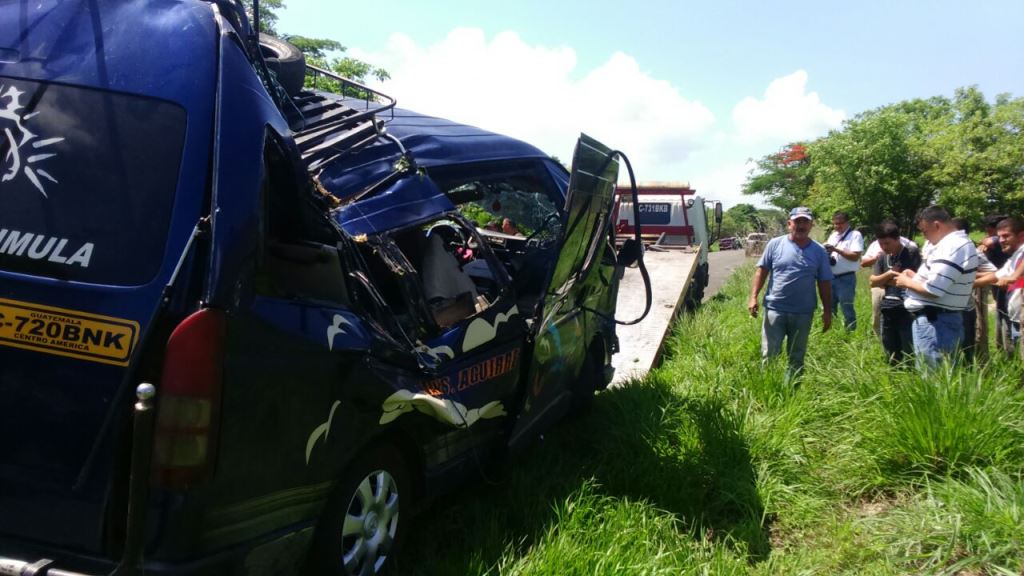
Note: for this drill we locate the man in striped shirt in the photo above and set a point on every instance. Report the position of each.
(941, 289)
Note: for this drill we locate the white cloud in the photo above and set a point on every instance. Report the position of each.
(787, 113)
(725, 184)
(538, 94)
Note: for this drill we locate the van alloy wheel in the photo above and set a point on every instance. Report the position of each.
(371, 524)
(359, 532)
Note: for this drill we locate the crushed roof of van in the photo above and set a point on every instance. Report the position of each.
(431, 142)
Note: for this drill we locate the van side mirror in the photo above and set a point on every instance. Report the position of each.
(629, 253)
(718, 212)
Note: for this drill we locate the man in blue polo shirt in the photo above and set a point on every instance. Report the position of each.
(798, 271)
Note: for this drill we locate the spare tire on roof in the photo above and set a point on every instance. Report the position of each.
(286, 61)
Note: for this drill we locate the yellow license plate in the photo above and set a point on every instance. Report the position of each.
(69, 333)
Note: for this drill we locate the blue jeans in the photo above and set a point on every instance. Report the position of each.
(843, 289)
(936, 338)
(794, 328)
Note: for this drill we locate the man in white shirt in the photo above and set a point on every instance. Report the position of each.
(1010, 232)
(941, 289)
(844, 246)
(871, 255)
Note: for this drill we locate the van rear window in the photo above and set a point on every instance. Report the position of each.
(87, 181)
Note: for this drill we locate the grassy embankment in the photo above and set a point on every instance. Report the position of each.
(712, 465)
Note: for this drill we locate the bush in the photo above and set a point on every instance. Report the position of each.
(947, 422)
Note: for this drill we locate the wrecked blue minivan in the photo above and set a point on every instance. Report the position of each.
(248, 327)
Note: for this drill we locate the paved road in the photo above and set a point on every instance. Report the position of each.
(720, 266)
(640, 344)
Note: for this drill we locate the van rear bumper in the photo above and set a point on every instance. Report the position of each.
(86, 567)
(279, 553)
(41, 567)
(210, 566)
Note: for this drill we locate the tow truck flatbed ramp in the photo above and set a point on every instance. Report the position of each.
(671, 272)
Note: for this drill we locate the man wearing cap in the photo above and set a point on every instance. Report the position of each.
(844, 246)
(794, 266)
(940, 291)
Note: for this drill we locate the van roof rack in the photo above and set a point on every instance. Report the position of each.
(331, 125)
(326, 125)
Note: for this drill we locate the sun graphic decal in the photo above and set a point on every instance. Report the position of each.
(23, 148)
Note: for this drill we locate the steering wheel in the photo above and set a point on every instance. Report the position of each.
(455, 240)
(450, 234)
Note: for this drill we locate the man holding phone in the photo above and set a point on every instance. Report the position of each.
(896, 321)
(940, 291)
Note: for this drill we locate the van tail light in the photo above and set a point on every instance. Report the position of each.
(189, 401)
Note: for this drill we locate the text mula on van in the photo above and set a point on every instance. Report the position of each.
(40, 247)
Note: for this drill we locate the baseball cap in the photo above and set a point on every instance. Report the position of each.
(801, 212)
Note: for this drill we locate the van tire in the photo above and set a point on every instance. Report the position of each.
(286, 61)
(376, 496)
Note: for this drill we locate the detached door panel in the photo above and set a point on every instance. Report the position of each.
(559, 343)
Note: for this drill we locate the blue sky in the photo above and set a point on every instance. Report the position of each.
(690, 91)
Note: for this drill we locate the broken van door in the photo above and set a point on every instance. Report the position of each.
(588, 206)
(560, 345)
(468, 373)
(456, 311)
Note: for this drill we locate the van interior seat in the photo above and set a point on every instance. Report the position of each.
(449, 291)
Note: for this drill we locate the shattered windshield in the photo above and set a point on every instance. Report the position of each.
(528, 211)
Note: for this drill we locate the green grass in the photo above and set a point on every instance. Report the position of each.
(971, 525)
(714, 464)
(955, 420)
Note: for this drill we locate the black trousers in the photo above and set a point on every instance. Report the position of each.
(968, 343)
(897, 336)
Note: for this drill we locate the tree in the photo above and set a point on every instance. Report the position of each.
(962, 152)
(268, 18)
(742, 219)
(317, 52)
(979, 150)
(1006, 193)
(783, 178)
(878, 165)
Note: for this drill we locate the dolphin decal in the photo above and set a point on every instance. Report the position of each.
(336, 328)
(445, 410)
(321, 430)
(480, 331)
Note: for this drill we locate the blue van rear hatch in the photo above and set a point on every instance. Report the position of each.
(88, 181)
(106, 123)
